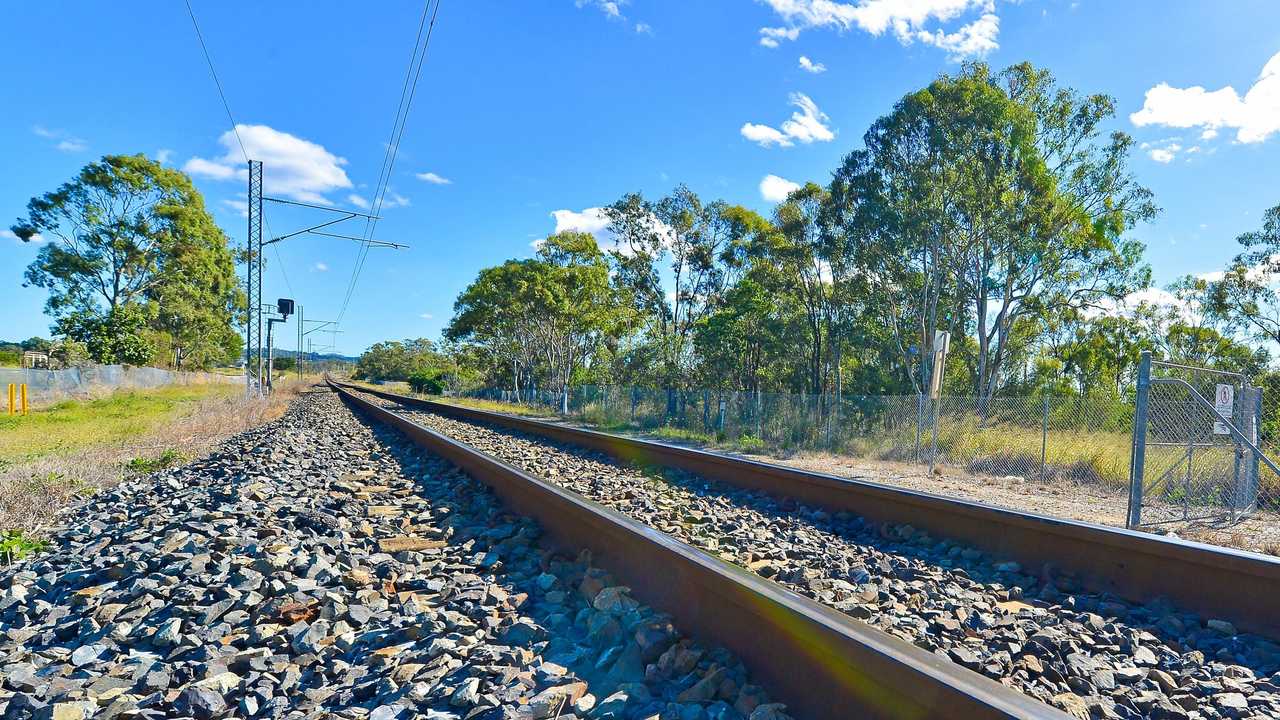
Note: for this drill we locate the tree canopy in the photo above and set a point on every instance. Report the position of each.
(135, 266)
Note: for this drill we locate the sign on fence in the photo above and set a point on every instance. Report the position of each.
(1224, 402)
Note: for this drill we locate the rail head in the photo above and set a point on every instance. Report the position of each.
(1218, 582)
(819, 661)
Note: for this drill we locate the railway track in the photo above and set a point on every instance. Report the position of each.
(1065, 612)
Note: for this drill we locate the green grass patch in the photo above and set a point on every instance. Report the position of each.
(76, 424)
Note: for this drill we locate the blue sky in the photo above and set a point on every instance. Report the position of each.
(529, 114)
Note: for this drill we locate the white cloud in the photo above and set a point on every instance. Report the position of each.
(1166, 154)
(240, 206)
(769, 36)
(320, 267)
(426, 316)
(11, 235)
(908, 20)
(433, 178)
(811, 67)
(808, 124)
(66, 142)
(291, 166)
(611, 8)
(163, 155)
(393, 199)
(1255, 117)
(776, 189)
(975, 39)
(592, 220)
(358, 201)
(644, 28)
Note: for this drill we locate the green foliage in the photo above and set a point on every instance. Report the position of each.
(10, 358)
(398, 360)
(145, 465)
(284, 364)
(117, 336)
(135, 267)
(425, 382)
(14, 545)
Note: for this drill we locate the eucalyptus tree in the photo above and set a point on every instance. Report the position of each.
(674, 261)
(128, 246)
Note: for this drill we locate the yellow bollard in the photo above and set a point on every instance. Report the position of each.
(24, 399)
(12, 388)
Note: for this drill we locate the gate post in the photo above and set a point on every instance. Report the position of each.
(1249, 478)
(1138, 460)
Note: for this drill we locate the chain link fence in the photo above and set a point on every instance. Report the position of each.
(1077, 440)
(49, 386)
(1200, 448)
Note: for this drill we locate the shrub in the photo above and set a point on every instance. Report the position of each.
(426, 383)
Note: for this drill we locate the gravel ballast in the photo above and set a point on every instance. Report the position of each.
(319, 567)
(1092, 655)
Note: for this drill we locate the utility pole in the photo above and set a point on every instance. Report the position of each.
(253, 285)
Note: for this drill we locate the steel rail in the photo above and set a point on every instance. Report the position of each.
(820, 662)
(1216, 582)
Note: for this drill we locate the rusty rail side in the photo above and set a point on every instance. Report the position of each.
(820, 662)
(1214, 581)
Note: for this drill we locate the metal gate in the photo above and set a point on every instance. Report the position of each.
(1195, 446)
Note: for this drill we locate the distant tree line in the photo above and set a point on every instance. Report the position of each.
(994, 206)
(136, 269)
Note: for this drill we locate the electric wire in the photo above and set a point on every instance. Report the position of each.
(235, 128)
(393, 148)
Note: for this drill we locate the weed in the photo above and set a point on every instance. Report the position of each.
(14, 545)
(144, 465)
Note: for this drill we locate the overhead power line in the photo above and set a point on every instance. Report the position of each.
(235, 127)
(407, 93)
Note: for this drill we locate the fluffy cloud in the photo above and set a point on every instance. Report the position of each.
(810, 66)
(163, 155)
(775, 189)
(807, 125)
(292, 166)
(592, 220)
(433, 178)
(1167, 150)
(426, 316)
(975, 39)
(908, 20)
(770, 36)
(320, 267)
(1254, 117)
(358, 201)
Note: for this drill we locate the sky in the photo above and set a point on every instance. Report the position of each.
(528, 116)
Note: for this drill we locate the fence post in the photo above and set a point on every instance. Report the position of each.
(1137, 462)
(1044, 434)
(919, 422)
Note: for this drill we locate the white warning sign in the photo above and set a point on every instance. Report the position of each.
(1224, 402)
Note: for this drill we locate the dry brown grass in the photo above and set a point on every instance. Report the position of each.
(33, 490)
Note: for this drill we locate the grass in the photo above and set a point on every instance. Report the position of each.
(71, 425)
(143, 465)
(75, 448)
